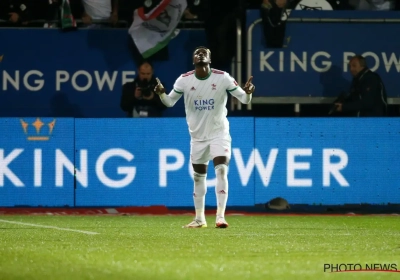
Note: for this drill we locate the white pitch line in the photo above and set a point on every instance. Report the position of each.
(43, 226)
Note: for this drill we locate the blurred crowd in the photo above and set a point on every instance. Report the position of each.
(213, 16)
(118, 13)
(110, 13)
(366, 5)
(218, 18)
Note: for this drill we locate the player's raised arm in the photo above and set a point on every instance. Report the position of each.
(159, 89)
(170, 99)
(243, 94)
(249, 87)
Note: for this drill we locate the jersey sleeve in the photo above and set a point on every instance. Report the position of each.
(231, 83)
(234, 89)
(179, 86)
(175, 94)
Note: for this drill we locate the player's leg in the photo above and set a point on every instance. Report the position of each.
(221, 151)
(200, 190)
(199, 154)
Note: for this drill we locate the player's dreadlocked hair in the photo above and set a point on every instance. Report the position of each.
(202, 47)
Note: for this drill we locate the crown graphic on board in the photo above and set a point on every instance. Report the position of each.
(41, 134)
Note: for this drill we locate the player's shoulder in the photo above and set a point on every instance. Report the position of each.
(223, 74)
(187, 74)
(218, 72)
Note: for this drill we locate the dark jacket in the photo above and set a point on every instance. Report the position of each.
(367, 96)
(153, 107)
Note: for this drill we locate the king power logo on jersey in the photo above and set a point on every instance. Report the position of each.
(203, 104)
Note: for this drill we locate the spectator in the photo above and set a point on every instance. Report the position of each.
(274, 14)
(126, 11)
(188, 15)
(45, 10)
(367, 96)
(273, 26)
(220, 26)
(373, 5)
(138, 98)
(15, 12)
(193, 10)
(99, 10)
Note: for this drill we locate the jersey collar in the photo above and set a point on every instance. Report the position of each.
(205, 78)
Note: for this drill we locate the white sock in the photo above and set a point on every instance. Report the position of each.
(221, 189)
(199, 195)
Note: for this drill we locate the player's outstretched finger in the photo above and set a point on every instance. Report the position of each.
(249, 81)
(158, 81)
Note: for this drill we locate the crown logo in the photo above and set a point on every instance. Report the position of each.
(38, 125)
(1, 57)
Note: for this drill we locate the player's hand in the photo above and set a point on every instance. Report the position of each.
(249, 87)
(159, 89)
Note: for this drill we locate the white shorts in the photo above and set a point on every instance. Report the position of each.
(201, 152)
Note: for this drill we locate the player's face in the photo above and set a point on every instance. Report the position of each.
(145, 72)
(355, 67)
(201, 57)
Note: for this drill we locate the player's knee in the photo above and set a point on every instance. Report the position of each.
(200, 186)
(197, 177)
(221, 170)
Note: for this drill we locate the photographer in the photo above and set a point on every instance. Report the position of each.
(367, 96)
(138, 99)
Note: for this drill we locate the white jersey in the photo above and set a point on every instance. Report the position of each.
(205, 102)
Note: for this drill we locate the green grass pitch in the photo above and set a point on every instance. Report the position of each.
(157, 247)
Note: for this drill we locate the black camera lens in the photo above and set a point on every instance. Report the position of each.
(145, 87)
(146, 91)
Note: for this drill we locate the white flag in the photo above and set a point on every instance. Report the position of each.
(152, 35)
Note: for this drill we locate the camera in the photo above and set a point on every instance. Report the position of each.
(145, 87)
